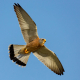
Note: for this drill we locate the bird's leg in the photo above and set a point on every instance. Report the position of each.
(26, 51)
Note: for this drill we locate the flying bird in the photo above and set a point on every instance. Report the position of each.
(34, 44)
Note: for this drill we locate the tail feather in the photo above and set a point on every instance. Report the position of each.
(16, 56)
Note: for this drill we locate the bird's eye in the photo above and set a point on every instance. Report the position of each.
(42, 39)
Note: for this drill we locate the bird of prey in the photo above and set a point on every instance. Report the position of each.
(34, 44)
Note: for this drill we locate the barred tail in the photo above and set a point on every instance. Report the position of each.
(16, 56)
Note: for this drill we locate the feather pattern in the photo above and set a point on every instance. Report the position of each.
(50, 59)
(27, 25)
(16, 56)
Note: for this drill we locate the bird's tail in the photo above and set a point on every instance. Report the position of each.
(19, 57)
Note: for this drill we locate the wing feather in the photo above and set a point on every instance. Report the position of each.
(50, 59)
(27, 25)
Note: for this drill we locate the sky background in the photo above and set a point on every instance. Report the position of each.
(58, 21)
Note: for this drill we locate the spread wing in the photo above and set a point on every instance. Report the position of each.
(27, 25)
(50, 59)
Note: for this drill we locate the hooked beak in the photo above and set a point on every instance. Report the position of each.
(44, 40)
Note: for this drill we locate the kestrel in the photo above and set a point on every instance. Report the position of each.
(34, 44)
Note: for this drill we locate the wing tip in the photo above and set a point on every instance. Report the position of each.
(17, 4)
(61, 73)
(12, 56)
(58, 72)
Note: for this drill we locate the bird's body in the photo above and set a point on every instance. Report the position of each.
(34, 44)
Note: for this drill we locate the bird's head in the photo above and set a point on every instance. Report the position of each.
(42, 41)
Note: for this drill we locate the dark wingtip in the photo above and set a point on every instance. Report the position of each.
(16, 5)
(12, 56)
(62, 73)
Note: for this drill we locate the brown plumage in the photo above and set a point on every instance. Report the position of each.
(21, 53)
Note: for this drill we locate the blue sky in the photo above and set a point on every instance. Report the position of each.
(58, 21)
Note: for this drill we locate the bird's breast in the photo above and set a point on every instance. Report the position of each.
(34, 45)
